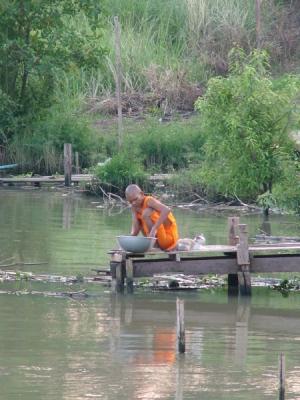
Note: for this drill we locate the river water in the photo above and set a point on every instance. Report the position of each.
(109, 346)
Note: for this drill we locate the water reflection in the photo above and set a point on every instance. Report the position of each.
(116, 346)
(125, 346)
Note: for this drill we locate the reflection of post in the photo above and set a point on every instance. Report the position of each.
(115, 323)
(233, 240)
(179, 379)
(180, 325)
(241, 338)
(67, 212)
(281, 377)
(266, 226)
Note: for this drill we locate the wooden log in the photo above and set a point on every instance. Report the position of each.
(68, 163)
(281, 377)
(129, 275)
(233, 239)
(180, 325)
(243, 260)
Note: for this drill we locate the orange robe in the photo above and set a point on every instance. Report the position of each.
(167, 236)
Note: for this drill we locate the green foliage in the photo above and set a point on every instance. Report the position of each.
(247, 118)
(38, 40)
(7, 120)
(166, 147)
(120, 171)
(287, 191)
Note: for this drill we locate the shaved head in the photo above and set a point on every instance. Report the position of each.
(132, 190)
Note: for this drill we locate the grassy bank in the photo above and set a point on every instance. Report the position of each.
(170, 50)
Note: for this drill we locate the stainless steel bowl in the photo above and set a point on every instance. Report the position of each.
(136, 244)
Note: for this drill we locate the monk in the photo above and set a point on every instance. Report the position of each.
(152, 217)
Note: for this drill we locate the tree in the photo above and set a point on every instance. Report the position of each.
(247, 118)
(39, 39)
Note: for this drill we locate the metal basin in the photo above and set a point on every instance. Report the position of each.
(136, 244)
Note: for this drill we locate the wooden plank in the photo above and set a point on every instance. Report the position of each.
(276, 263)
(275, 246)
(223, 265)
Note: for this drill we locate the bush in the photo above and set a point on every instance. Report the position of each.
(167, 147)
(247, 118)
(119, 172)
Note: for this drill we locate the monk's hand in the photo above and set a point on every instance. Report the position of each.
(152, 233)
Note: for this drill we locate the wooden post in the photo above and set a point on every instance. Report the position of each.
(258, 23)
(281, 377)
(129, 275)
(243, 261)
(68, 163)
(233, 224)
(77, 169)
(180, 325)
(117, 268)
(233, 239)
(118, 78)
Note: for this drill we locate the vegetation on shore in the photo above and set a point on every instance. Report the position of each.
(57, 85)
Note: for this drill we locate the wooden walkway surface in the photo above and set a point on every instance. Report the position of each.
(46, 179)
(238, 261)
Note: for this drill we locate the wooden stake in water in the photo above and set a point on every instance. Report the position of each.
(180, 325)
(281, 377)
(68, 163)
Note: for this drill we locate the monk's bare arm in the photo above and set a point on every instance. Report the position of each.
(164, 212)
(136, 226)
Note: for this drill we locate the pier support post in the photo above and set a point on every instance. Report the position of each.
(180, 325)
(68, 163)
(117, 268)
(129, 275)
(243, 261)
(233, 239)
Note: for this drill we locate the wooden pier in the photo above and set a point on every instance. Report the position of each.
(38, 180)
(238, 260)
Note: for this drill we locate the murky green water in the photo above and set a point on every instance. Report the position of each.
(114, 347)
